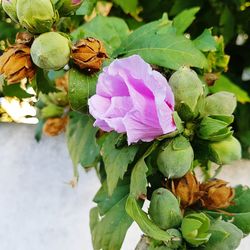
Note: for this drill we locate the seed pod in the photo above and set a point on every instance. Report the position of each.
(37, 16)
(220, 103)
(216, 194)
(51, 51)
(89, 54)
(188, 92)
(67, 7)
(16, 64)
(186, 189)
(195, 228)
(176, 158)
(9, 6)
(226, 151)
(164, 209)
(55, 126)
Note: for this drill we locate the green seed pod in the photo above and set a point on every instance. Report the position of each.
(9, 7)
(50, 51)
(164, 209)
(195, 229)
(225, 236)
(213, 129)
(226, 151)
(220, 103)
(52, 111)
(188, 92)
(67, 7)
(176, 158)
(37, 16)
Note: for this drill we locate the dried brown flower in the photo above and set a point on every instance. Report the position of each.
(187, 189)
(210, 78)
(16, 63)
(217, 194)
(55, 126)
(89, 54)
(24, 38)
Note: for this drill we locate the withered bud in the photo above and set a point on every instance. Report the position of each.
(62, 83)
(55, 126)
(24, 38)
(210, 78)
(217, 194)
(89, 54)
(16, 64)
(186, 189)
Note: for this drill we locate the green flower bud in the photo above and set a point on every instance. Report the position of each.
(195, 229)
(67, 7)
(213, 129)
(226, 151)
(50, 51)
(37, 16)
(9, 7)
(59, 98)
(225, 236)
(176, 158)
(220, 103)
(164, 209)
(52, 111)
(188, 92)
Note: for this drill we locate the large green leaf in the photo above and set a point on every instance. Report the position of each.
(225, 84)
(183, 20)
(205, 42)
(81, 87)
(81, 140)
(158, 43)
(116, 160)
(108, 232)
(128, 6)
(146, 225)
(138, 186)
(110, 30)
(240, 211)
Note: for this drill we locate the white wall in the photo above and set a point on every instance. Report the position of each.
(38, 209)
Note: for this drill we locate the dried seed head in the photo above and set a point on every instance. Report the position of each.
(187, 189)
(55, 126)
(16, 64)
(216, 194)
(89, 54)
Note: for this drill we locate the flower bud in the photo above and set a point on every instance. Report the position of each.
(213, 129)
(164, 209)
(216, 194)
(59, 98)
(16, 64)
(220, 103)
(9, 6)
(195, 228)
(226, 151)
(67, 7)
(36, 16)
(188, 92)
(186, 189)
(51, 51)
(89, 54)
(52, 110)
(55, 126)
(176, 158)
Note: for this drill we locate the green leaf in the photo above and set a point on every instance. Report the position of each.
(116, 160)
(240, 211)
(157, 43)
(145, 224)
(110, 30)
(15, 90)
(108, 232)
(138, 186)
(87, 7)
(81, 140)
(205, 42)
(183, 20)
(81, 88)
(128, 6)
(225, 84)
